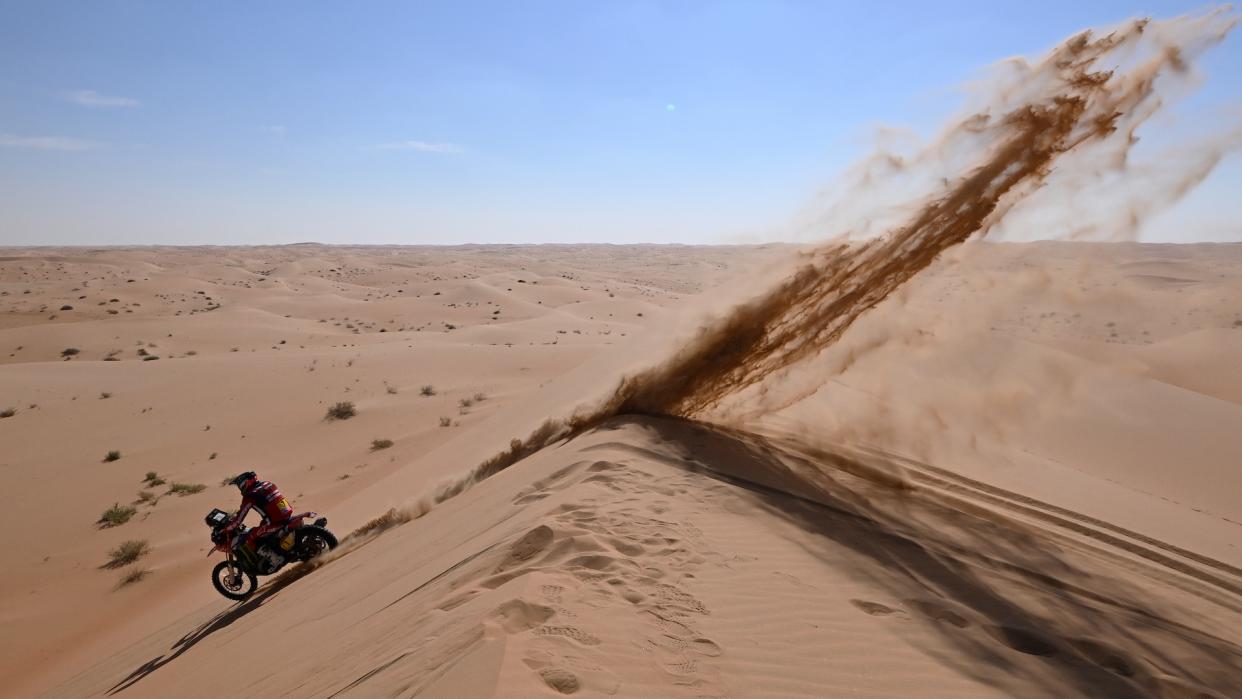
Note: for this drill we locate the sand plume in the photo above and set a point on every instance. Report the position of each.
(1079, 107)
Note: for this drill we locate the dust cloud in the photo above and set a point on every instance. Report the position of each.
(1036, 133)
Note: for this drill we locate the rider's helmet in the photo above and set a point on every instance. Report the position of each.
(244, 480)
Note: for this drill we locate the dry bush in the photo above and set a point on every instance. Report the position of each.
(112, 456)
(134, 576)
(427, 390)
(377, 444)
(341, 411)
(446, 422)
(127, 552)
(116, 515)
(184, 489)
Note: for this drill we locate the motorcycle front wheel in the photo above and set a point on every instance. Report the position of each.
(233, 582)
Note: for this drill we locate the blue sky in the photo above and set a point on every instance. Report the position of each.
(223, 123)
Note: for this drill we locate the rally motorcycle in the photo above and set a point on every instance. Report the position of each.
(236, 577)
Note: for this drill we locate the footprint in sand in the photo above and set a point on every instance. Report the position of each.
(938, 612)
(873, 608)
(1023, 640)
(560, 679)
(706, 646)
(527, 499)
(552, 593)
(517, 615)
(1108, 658)
(573, 633)
(531, 543)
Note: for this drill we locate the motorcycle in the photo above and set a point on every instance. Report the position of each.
(236, 577)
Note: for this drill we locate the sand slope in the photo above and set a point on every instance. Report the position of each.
(658, 557)
(254, 344)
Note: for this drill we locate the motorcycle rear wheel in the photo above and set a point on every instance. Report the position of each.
(233, 582)
(314, 541)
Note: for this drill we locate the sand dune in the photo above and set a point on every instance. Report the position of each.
(247, 384)
(658, 557)
(654, 556)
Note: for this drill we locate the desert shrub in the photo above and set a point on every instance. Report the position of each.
(127, 552)
(142, 352)
(465, 402)
(392, 390)
(116, 515)
(151, 475)
(377, 444)
(480, 397)
(212, 457)
(446, 422)
(66, 307)
(70, 351)
(184, 489)
(105, 395)
(8, 412)
(146, 497)
(112, 456)
(134, 576)
(427, 390)
(341, 411)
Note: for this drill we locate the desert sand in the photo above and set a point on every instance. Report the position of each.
(1048, 504)
(913, 462)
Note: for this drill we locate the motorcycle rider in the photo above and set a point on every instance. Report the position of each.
(264, 497)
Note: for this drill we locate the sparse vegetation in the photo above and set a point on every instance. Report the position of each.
(392, 390)
(66, 307)
(427, 390)
(446, 422)
(151, 475)
(127, 552)
(480, 397)
(184, 489)
(134, 576)
(8, 412)
(116, 515)
(70, 351)
(105, 395)
(341, 411)
(112, 456)
(146, 497)
(377, 444)
(212, 457)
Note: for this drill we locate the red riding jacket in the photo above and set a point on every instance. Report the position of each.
(265, 497)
